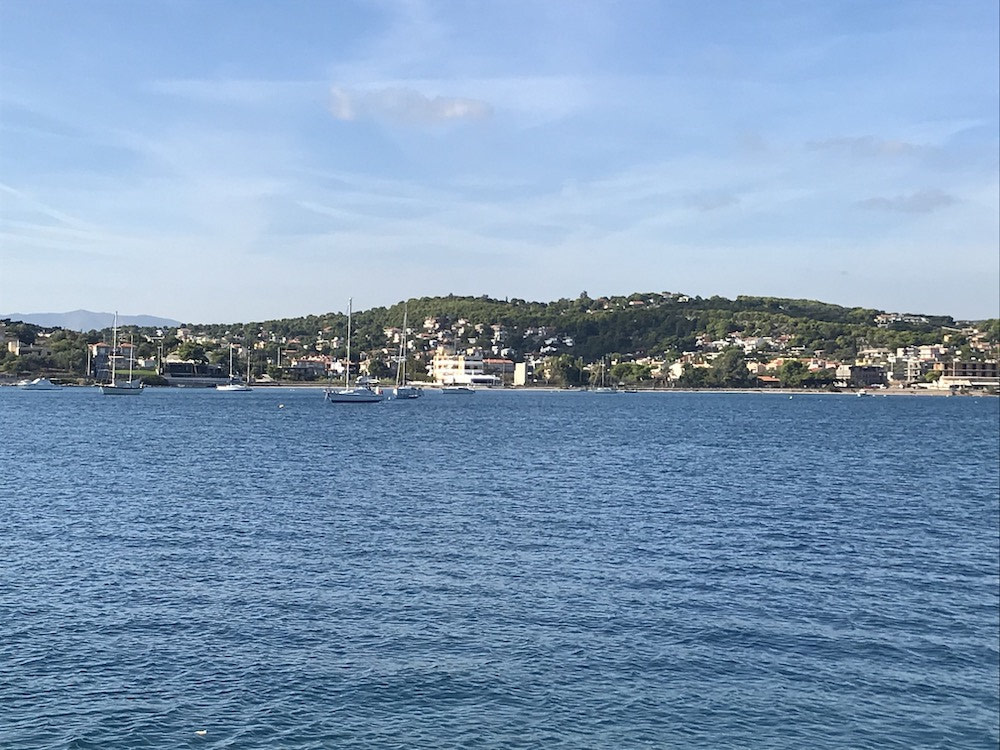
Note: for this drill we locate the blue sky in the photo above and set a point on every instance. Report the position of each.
(218, 161)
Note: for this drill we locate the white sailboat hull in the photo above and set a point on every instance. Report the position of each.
(407, 391)
(233, 387)
(129, 388)
(353, 396)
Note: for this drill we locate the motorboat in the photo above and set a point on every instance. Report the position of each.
(40, 384)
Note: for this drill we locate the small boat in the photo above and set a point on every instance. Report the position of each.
(862, 393)
(117, 387)
(459, 390)
(402, 390)
(362, 392)
(122, 388)
(234, 385)
(40, 384)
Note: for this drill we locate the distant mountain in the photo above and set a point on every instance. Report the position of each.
(84, 320)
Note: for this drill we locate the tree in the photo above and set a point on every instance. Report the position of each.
(564, 370)
(793, 373)
(695, 377)
(378, 369)
(630, 372)
(189, 350)
(729, 370)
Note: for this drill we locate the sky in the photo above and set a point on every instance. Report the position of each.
(220, 161)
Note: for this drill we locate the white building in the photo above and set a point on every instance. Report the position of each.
(460, 369)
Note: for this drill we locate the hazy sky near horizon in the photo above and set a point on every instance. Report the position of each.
(222, 161)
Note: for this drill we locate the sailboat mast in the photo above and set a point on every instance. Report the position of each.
(114, 347)
(347, 370)
(131, 355)
(400, 368)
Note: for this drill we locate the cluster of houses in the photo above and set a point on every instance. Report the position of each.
(933, 366)
(483, 358)
(461, 352)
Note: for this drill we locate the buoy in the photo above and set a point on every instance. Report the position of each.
(201, 732)
(281, 406)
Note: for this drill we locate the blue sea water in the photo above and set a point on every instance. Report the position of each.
(191, 569)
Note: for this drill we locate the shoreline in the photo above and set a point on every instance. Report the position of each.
(869, 393)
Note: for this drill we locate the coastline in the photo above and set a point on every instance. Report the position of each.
(791, 392)
(875, 393)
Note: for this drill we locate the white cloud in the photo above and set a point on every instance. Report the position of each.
(404, 105)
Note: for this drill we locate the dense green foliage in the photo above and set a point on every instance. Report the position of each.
(575, 332)
(649, 324)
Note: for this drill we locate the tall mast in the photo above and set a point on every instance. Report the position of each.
(131, 356)
(347, 370)
(400, 368)
(114, 347)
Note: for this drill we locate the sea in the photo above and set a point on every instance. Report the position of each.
(195, 569)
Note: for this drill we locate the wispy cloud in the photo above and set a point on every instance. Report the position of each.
(866, 146)
(30, 205)
(404, 105)
(920, 202)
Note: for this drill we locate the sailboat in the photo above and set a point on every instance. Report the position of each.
(116, 387)
(362, 392)
(602, 388)
(402, 390)
(234, 385)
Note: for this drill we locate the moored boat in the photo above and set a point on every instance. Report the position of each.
(362, 392)
(40, 384)
(117, 387)
(402, 390)
(235, 385)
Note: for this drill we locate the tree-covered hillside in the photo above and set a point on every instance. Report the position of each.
(659, 325)
(641, 324)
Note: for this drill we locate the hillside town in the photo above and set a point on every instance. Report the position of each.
(456, 351)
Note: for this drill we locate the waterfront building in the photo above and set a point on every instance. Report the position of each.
(969, 374)
(465, 368)
(861, 376)
(310, 367)
(191, 374)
